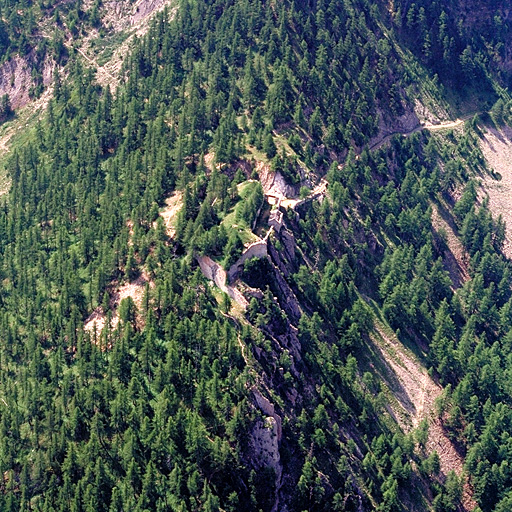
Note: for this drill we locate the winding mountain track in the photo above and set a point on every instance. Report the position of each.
(445, 125)
(320, 189)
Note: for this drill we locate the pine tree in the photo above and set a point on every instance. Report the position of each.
(269, 146)
(5, 108)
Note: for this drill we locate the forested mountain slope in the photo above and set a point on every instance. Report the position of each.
(227, 286)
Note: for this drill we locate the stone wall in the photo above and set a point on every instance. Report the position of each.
(256, 250)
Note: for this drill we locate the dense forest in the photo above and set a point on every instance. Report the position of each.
(185, 400)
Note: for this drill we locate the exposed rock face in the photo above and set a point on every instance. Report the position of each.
(125, 15)
(285, 258)
(16, 78)
(268, 408)
(266, 445)
(273, 183)
(266, 437)
(406, 123)
(214, 272)
(287, 298)
(283, 266)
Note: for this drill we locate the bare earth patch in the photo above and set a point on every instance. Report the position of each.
(118, 16)
(173, 205)
(456, 258)
(416, 394)
(497, 149)
(16, 78)
(97, 319)
(209, 160)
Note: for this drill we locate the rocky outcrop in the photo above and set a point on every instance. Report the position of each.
(284, 259)
(389, 126)
(214, 272)
(273, 183)
(266, 438)
(16, 78)
(287, 298)
(126, 15)
(268, 408)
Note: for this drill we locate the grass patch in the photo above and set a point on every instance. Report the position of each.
(246, 235)
(233, 220)
(246, 188)
(14, 134)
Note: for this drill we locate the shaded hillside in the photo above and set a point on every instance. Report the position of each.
(462, 41)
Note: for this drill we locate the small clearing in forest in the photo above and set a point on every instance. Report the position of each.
(135, 290)
(172, 206)
(496, 146)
